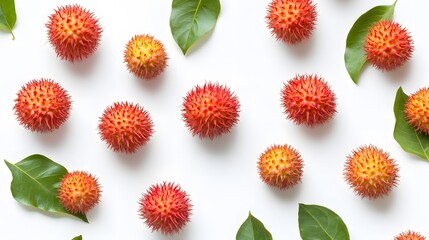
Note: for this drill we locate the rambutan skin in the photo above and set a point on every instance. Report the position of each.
(145, 57)
(79, 192)
(211, 110)
(308, 99)
(371, 172)
(388, 45)
(42, 105)
(165, 207)
(74, 32)
(291, 21)
(410, 235)
(280, 166)
(125, 127)
(417, 110)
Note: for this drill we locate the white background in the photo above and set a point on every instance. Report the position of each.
(221, 175)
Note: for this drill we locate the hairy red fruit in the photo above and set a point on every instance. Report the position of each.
(410, 235)
(145, 57)
(308, 99)
(79, 192)
(125, 127)
(280, 166)
(74, 32)
(42, 105)
(371, 172)
(291, 21)
(210, 111)
(165, 207)
(417, 110)
(388, 45)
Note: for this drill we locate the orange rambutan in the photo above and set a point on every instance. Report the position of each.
(371, 172)
(79, 192)
(417, 110)
(410, 235)
(165, 207)
(74, 32)
(211, 110)
(42, 105)
(125, 127)
(280, 166)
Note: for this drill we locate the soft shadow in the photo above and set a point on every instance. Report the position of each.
(289, 194)
(400, 74)
(384, 204)
(302, 49)
(134, 160)
(84, 67)
(219, 144)
(184, 234)
(319, 131)
(153, 84)
(55, 137)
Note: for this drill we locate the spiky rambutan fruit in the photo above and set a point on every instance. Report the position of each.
(42, 105)
(388, 45)
(308, 99)
(125, 127)
(410, 235)
(291, 21)
(371, 172)
(79, 192)
(74, 32)
(417, 110)
(211, 110)
(145, 57)
(280, 166)
(165, 207)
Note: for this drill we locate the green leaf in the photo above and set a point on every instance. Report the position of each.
(354, 56)
(7, 16)
(35, 183)
(190, 20)
(317, 222)
(78, 238)
(409, 139)
(253, 229)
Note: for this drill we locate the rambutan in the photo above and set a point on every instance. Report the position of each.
(308, 99)
(388, 45)
(79, 192)
(410, 235)
(145, 57)
(371, 172)
(125, 127)
(280, 166)
(211, 110)
(165, 207)
(291, 21)
(417, 110)
(74, 32)
(42, 105)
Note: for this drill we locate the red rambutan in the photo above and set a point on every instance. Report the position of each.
(410, 235)
(74, 32)
(42, 105)
(145, 57)
(280, 166)
(417, 110)
(291, 20)
(371, 172)
(210, 111)
(79, 192)
(165, 207)
(125, 127)
(388, 45)
(308, 99)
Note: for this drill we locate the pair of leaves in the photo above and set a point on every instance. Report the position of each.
(355, 56)
(35, 183)
(408, 138)
(7, 16)
(315, 222)
(190, 20)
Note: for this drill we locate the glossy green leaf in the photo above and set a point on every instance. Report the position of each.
(35, 183)
(410, 140)
(7, 16)
(78, 238)
(253, 229)
(317, 222)
(354, 56)
(190, 20)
